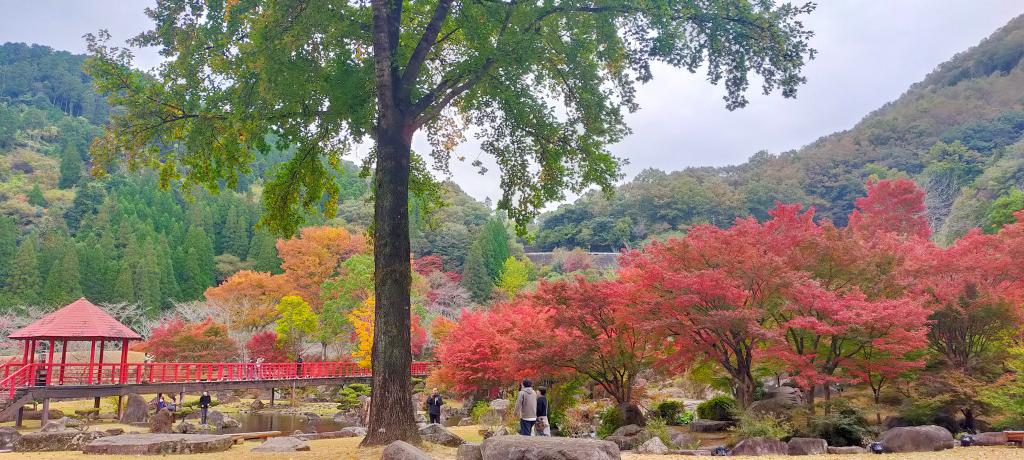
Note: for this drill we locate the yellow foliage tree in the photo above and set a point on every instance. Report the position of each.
(362, 323)
(361, 319)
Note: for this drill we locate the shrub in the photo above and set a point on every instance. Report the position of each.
(658, 427)
(841, 428)
(348, 397)
(720, 407)
(673, 413)
(580, 420)
(763, 425)
(611, 420)
(479, 409)
(562, 397)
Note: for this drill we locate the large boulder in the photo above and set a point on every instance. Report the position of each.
(807, 446)
(347, 419)
(437, 434)
(469, 451)
(652, 446)
(927, 438)
(55, 425)
(282, 444)
(8, 437)
(159, 444)
(777, 401)
(500, 404)
(628, 437)
(760, 446)
(215, 418)
(495, 431)
(135, 410)
(399, 450)
(184, 428)
(684, 440)
(56, 441)
(161, 422)
(709, 426)
(992, 438)
(547, 448)
(849, 450)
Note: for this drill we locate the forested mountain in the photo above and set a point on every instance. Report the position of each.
(64, 233)
(958, 133)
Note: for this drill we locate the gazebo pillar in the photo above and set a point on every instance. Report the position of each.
(49, 365)
(124, 361)
(63, 359)
(92, 358)
(99, 378)
(24, 356)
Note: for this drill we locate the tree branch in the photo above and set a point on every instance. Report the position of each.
(419, 55)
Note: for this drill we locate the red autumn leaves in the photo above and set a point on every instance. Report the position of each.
(820, 303)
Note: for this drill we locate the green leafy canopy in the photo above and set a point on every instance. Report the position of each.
(547, 83)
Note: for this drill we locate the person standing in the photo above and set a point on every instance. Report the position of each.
(298, 367)
(204, 407)
(543, 426)
(434, 403)
(526, 407)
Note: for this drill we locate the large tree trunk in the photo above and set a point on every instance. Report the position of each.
(744, 391)
(391, 410)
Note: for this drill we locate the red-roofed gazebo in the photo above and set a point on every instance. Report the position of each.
(80, 321)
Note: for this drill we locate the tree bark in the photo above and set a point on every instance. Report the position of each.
(744, 391)
(391, 409)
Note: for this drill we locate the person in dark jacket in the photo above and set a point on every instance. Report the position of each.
(542, 427)
(204, 407)
(298, 367)
(434, 403)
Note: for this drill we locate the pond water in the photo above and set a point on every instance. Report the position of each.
(285, 423)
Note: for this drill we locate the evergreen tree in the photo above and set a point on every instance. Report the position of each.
(494, 239)
(169, 288)
(88, 199)
(25, 285)
(8, 247)
(198, 264)
(62, 283)
(124, 287)
(70, 167)
(236, 234)
(98, 268)
(146, 279)
(475, 278)
(36, 198)
(263, 253)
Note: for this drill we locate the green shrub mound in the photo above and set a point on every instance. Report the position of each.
(845, 427)
(721, 408)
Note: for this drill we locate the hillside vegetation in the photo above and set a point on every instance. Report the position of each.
(957, 133)
(121, 239)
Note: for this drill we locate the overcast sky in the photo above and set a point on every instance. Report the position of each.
(869, 52)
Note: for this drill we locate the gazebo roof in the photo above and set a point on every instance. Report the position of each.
(78, 320)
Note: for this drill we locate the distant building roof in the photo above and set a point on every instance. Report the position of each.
(78, 320)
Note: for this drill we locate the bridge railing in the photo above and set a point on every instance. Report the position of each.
(18, 375)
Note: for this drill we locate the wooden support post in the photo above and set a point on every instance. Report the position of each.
(271, 397)
(119, 397)
(24, 356)
(99, 378)
(124, 361)
(92, 358)
(49, 365)
(63, 359)
(19, 416)
(45, 416)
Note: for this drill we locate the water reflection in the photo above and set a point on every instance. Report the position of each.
(285, 423)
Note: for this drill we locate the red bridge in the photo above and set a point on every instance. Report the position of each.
(45, 378)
